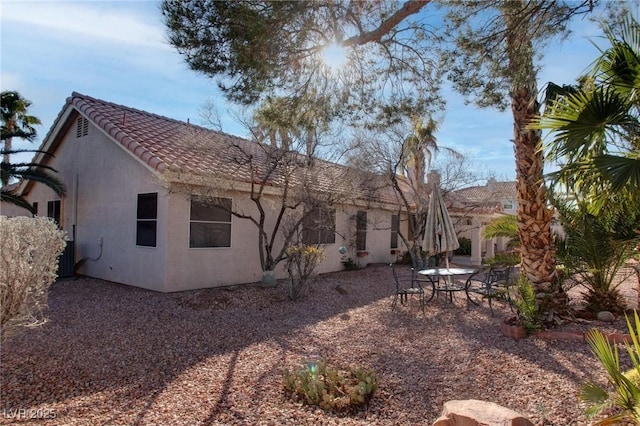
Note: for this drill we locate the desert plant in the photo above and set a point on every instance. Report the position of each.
(507, 258)
(29, 251)
(527, 310)
(302, 260)
(625, 396)
(349, 265)
(330, 388)
(503, 226)
(596, 247)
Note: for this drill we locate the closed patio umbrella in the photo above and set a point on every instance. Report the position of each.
(439, 235)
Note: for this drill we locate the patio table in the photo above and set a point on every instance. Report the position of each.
(448, 286)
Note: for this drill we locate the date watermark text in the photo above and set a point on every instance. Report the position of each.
(28, 413)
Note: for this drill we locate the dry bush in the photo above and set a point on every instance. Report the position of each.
(29, 251)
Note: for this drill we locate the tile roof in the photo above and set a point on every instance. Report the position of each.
(171, 147)
(491, 192)
(485, 199)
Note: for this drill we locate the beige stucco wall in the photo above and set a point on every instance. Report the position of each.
(11, 210)
(103, 181)
(191, 268)
(108, 181)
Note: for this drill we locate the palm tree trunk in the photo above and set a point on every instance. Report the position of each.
(534, 217)
(6, 158)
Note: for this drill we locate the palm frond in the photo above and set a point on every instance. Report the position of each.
(43, 177)
(622, 171)
(584, 122)
(503, 226)
(13, 198)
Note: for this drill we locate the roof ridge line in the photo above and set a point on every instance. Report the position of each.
(152, 114)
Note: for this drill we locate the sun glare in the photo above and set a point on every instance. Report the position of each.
(334, 56)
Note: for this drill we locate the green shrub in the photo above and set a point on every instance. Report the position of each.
(302, 260)
(596, 247)
(330, 388)
(465, 247)
(349, 265)
(528, 313)
(505, 258)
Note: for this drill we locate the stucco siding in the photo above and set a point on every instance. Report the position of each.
(192, 268)
(11, 210)
(103, 181)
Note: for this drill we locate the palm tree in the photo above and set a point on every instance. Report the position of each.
(16, 122)
(625, 396)
(418, 151)
(538, 262)
(504, 226)
(595, 127)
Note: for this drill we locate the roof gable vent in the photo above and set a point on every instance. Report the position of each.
(82, 127)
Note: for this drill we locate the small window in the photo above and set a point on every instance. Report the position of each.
(82, 127)
(53, 211)
(34, 207)
(507, 204)
(147, 219)
(361, 230)
(395, 229)
(319, 227)
(210, 223)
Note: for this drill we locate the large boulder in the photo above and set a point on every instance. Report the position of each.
(472, 412)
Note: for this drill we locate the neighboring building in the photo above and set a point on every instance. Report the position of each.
(474, 207)
(136, 212)
(494, 194)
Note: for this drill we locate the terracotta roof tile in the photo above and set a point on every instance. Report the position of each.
(493, 191)
(167, 145)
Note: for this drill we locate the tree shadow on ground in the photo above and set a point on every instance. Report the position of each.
(91, 342)
(132, 356)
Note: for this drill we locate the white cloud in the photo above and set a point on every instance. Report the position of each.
(10, 81)
(89, 22)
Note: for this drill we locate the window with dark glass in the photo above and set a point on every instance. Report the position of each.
(361, 230)
(53, 211)
(395, 229)
(35, 209)
(319, 227)
(147, 219)
(210, 223)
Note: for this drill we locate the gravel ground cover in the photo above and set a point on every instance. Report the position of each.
(117, 355)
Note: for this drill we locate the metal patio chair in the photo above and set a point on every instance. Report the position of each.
(409, 286)
(490, 283)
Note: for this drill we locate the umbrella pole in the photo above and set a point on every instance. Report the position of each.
(446, 264)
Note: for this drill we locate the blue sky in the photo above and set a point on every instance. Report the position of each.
(117, 51)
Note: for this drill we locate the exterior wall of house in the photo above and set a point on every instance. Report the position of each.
(11, 210)
(378, 239)
(193, 268)
(99, 213)
(99, 209)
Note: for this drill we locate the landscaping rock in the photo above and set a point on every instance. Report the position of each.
(341, 290)
(472, 412)
(606, 316)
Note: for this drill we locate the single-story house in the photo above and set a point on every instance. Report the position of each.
(149, 200)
